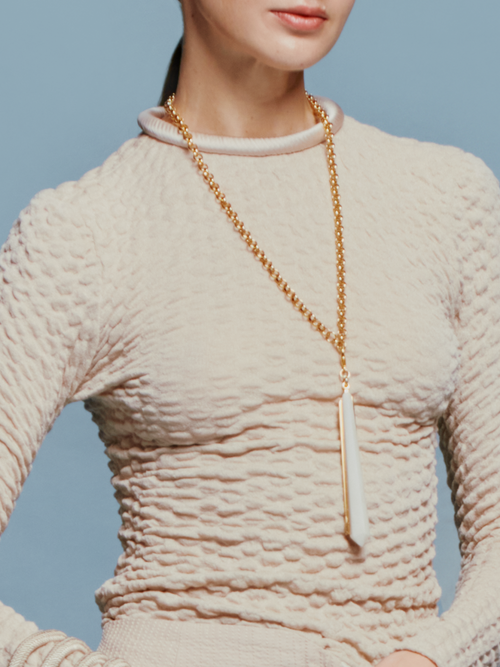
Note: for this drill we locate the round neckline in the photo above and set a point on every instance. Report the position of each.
(153, 124)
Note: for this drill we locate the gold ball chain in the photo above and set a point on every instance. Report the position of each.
(336, 339)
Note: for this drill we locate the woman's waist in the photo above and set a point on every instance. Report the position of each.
(145, 638)
(282, 534)
(314, 601)
(147, 641)
(358, 630)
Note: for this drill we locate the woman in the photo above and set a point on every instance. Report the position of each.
(217, 402)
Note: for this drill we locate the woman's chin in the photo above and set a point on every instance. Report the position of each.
(293, 58)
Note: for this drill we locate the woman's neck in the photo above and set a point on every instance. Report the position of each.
(239, 97)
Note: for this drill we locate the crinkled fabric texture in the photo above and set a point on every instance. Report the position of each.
(217, 402)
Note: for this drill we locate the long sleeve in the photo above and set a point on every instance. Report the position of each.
(469, 633)
(49, 290)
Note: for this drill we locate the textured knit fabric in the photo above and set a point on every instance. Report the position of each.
(217, 402)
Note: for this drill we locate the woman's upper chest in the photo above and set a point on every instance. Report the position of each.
(200, 323)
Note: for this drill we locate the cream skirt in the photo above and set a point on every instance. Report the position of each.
(146, 642)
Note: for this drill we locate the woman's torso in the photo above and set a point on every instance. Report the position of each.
(218, 403)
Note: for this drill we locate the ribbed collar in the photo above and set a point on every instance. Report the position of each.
(152, 123)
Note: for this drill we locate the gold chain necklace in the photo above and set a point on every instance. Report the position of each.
(356, 521)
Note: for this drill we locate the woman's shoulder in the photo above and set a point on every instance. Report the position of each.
(98, 199)
(127, 166)
(445, 178)
(435, 163)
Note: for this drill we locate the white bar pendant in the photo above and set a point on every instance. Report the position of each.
(355, 511)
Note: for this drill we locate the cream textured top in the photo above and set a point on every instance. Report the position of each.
(217, 402)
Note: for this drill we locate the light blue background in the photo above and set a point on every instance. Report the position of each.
(74, 76)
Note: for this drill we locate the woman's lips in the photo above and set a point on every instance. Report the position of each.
(301, 18)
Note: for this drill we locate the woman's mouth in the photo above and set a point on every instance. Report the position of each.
(303, 19)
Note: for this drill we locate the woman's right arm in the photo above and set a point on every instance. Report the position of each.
(50, 281)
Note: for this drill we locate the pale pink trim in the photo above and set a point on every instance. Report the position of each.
(152, 123)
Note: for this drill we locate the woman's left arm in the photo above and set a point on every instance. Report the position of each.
(468, 634)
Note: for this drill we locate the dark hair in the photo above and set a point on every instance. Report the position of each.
(172, 78)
